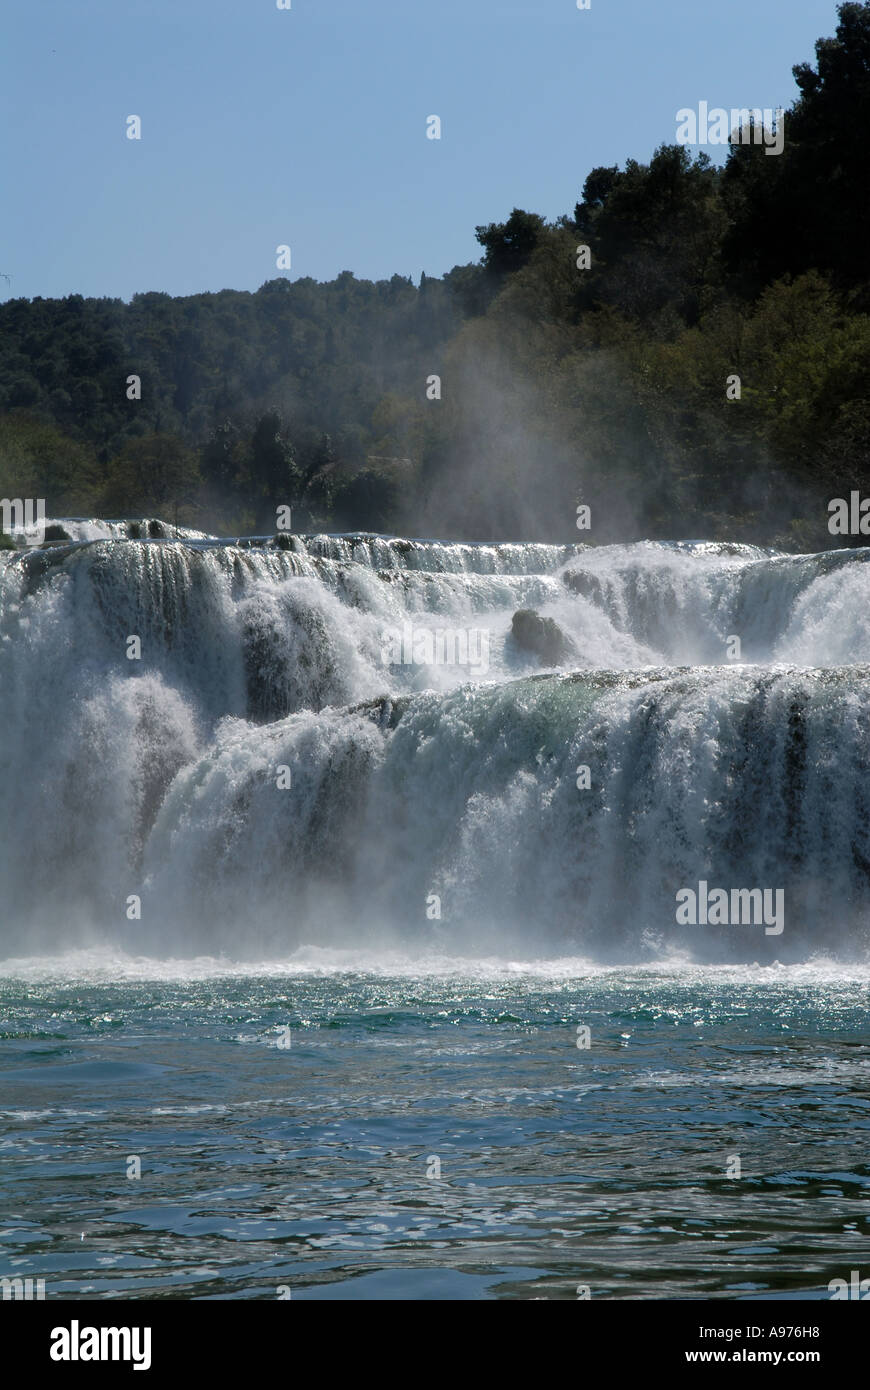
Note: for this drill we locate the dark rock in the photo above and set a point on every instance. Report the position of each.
(587, 585)
(541, 636)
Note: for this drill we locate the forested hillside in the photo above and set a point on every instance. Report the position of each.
(558, 385)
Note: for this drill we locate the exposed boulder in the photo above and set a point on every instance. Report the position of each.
(54, 532)
(541, 636)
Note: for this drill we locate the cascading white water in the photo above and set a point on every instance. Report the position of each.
(420, 786)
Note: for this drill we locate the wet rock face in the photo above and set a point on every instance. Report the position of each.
(54, 532)
(541, 636)
(587, 585)
(148, 530)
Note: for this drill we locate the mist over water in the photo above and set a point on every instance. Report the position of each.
(159, 777)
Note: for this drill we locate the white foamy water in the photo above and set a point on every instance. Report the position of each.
(431, 806)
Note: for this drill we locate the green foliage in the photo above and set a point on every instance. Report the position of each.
(654, 230)
(808, 208)
(509, 245)
(38, 460)
(369, 501)
(154, 474)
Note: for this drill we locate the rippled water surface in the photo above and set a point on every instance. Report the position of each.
(313, 1167)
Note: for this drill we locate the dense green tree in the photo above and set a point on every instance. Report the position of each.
(156, 475)
(273, 476)
(810, 207)
(508, 245)
(654, 231)
(38, 460)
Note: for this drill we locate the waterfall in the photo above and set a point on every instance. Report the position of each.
(342, 739)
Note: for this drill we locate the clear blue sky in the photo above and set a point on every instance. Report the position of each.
(308, 126)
